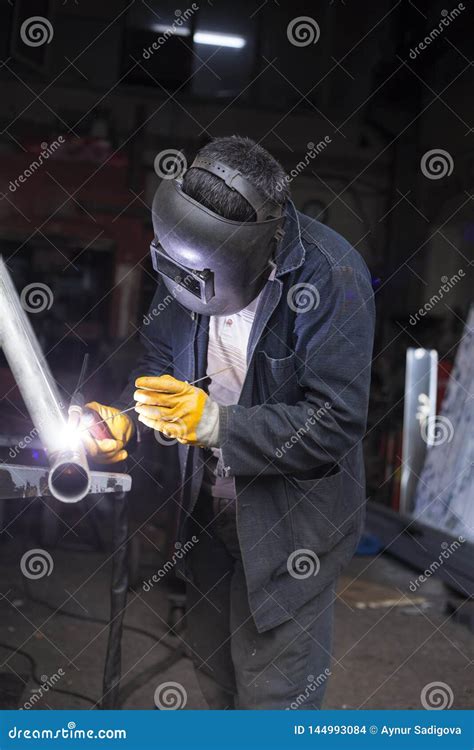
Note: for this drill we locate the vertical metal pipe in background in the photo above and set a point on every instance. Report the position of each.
(421, 379)
(69, 478)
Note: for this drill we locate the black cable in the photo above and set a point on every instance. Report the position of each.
(128, 688)
(143, 677)
(31, 661)
(177, 652)
(97, 620)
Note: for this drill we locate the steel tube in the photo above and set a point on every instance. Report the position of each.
(69, 477)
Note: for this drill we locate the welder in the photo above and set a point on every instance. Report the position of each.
(276, 309)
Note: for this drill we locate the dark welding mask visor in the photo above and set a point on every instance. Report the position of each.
(213, 265)
(198, 283)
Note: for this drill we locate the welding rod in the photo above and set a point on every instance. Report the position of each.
(193, 382)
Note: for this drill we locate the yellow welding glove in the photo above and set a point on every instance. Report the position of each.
(106, 442)
(176, 409)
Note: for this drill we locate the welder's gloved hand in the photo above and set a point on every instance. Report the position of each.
(121, 428)
(178, 410)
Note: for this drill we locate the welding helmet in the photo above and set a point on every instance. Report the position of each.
(210, 264)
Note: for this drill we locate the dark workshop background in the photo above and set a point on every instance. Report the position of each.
(80, 224)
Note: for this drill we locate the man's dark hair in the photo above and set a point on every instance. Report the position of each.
(253, 161)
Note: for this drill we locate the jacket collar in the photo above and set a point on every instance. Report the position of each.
(290, 253)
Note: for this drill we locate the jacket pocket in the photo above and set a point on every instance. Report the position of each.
(277, 379)
(320, 514)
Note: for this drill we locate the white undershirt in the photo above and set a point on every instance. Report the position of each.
(227, 348)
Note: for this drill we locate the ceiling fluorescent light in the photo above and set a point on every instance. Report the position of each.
(219, 40)
(176, 30)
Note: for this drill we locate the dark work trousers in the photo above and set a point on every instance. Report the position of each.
(286, 667)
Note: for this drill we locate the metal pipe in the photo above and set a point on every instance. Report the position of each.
(69, 476)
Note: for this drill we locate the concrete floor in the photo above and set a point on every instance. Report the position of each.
(382, 657)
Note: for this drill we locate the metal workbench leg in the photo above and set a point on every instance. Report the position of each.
(118, 601)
